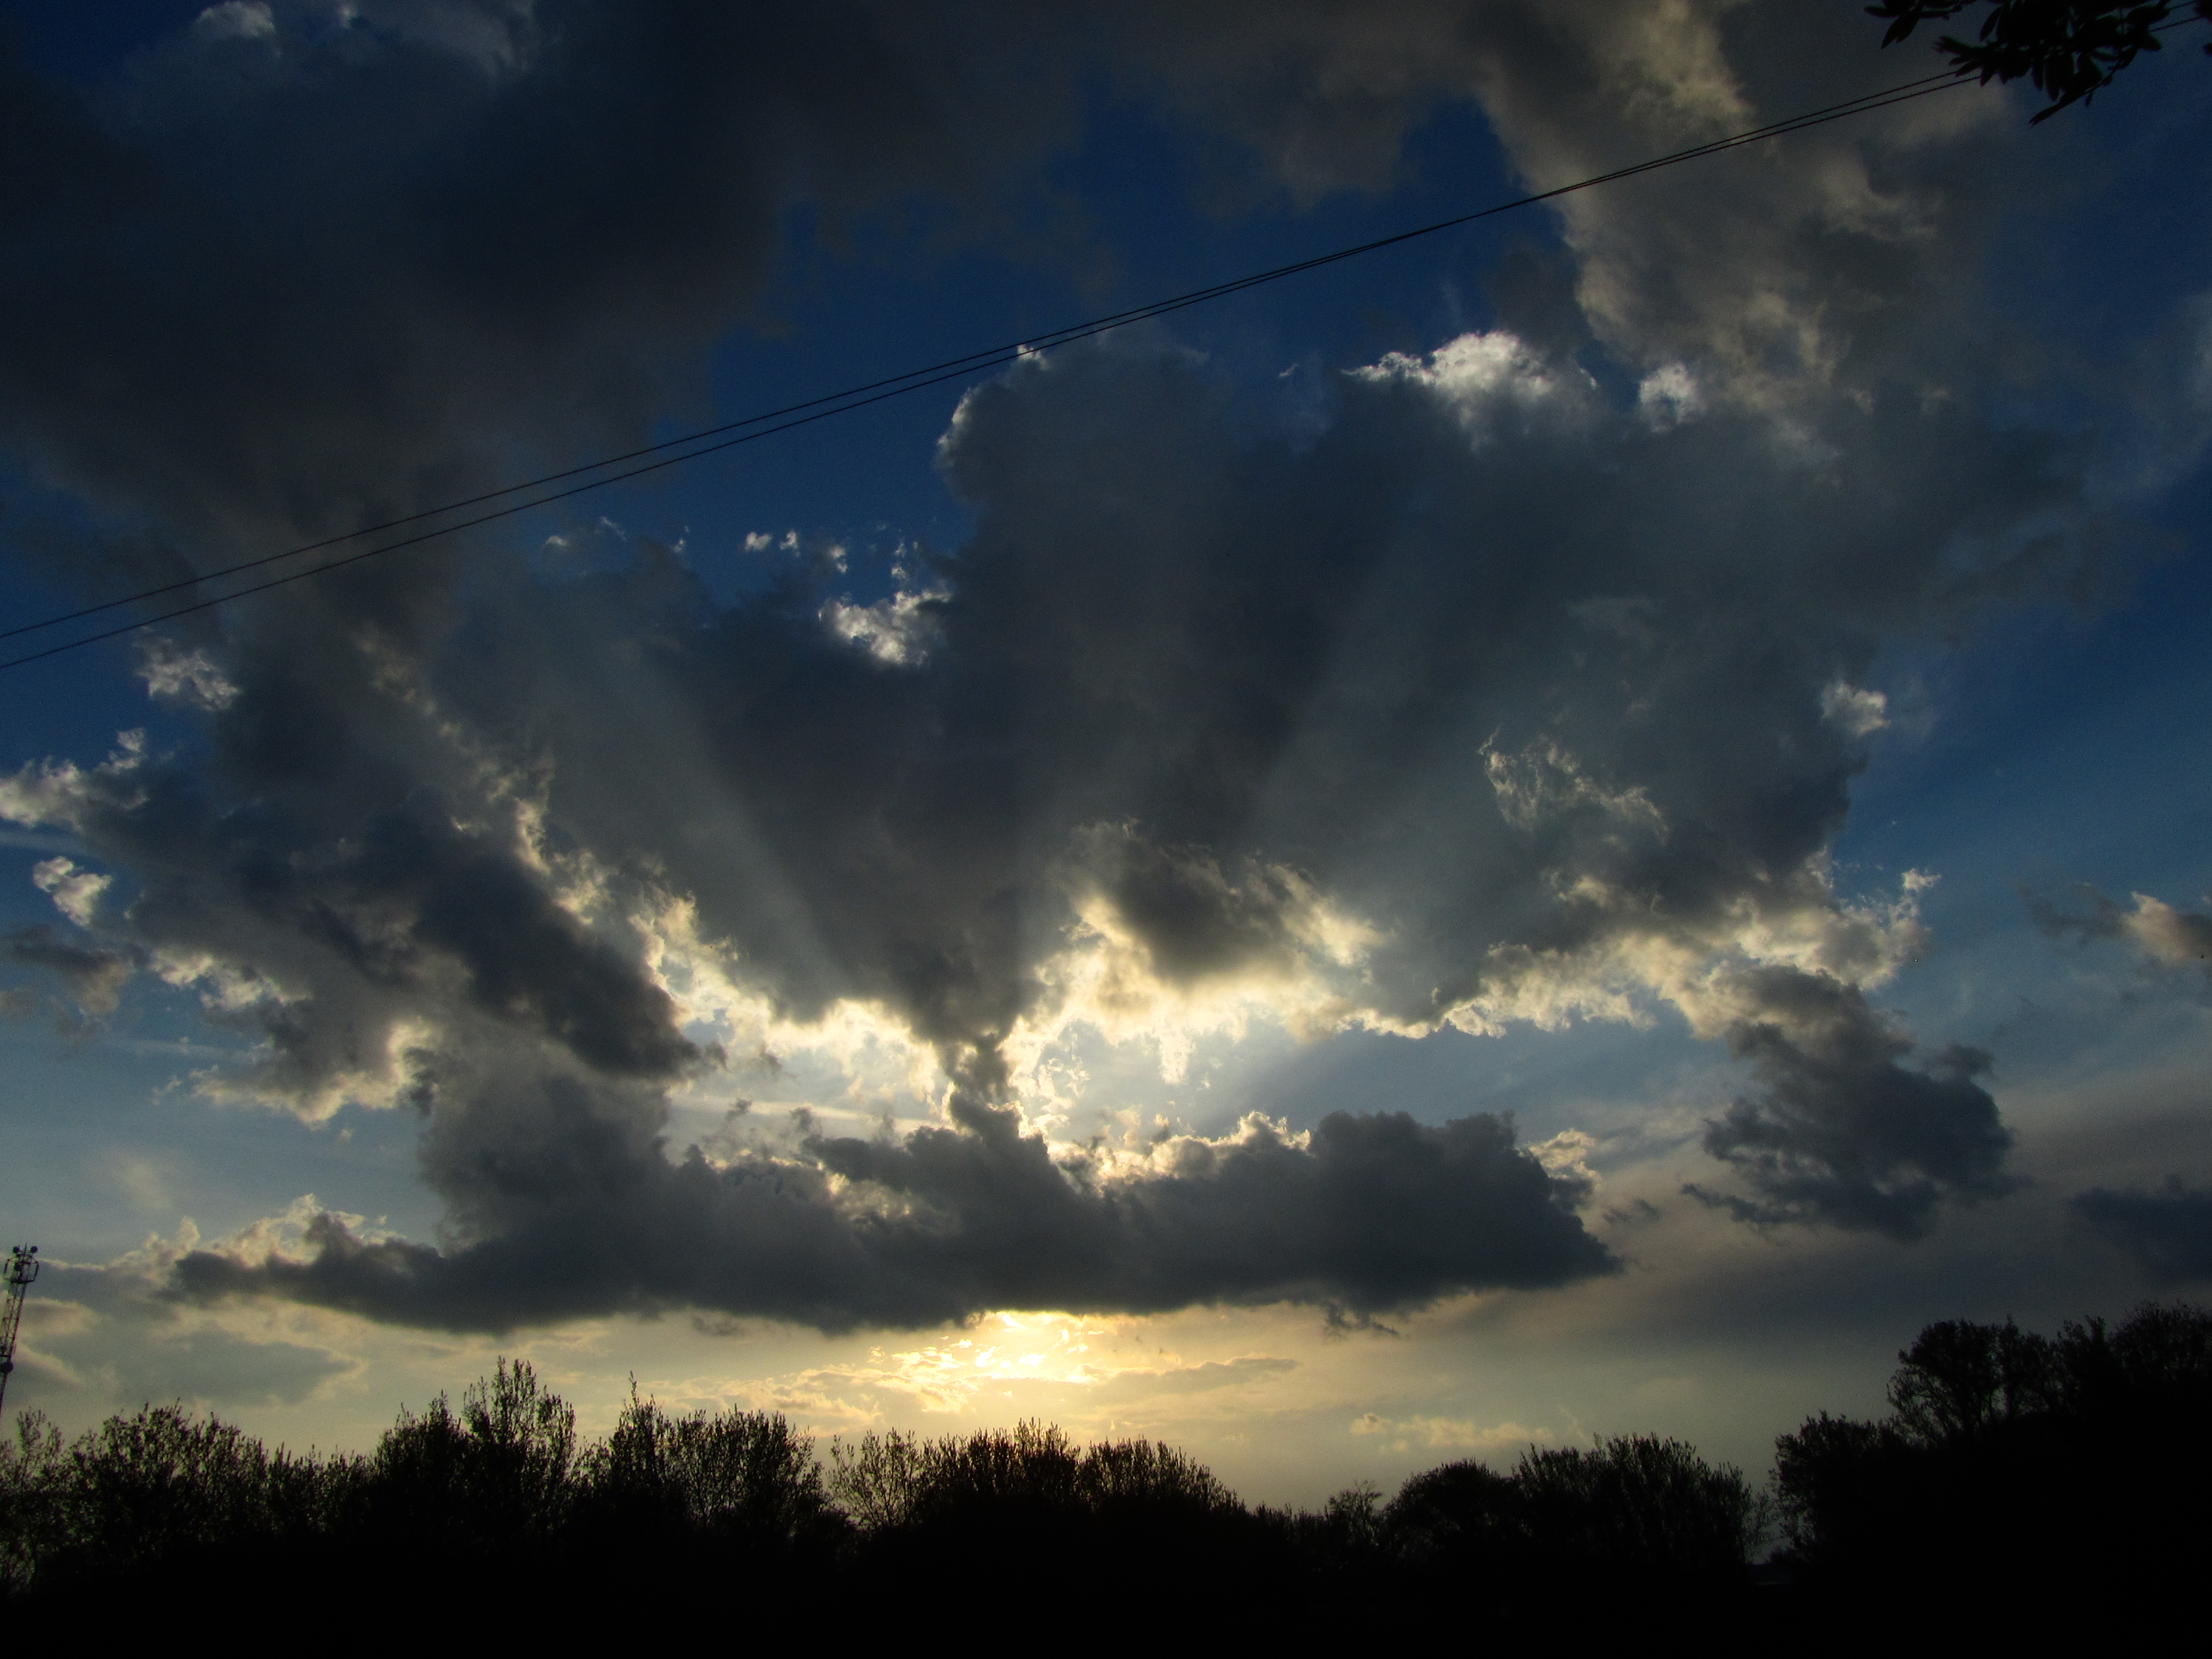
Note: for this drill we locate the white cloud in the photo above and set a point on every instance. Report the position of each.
(1856, 712)
(1487, 380)
(1545, 780)
(189, 678)
(898, 630)
(1668, 395)
(2173, 938)
(76, 892)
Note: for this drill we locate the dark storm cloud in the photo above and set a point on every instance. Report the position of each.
(1342, 653)
(1778, 281)
(418, 885)
(1548, 679)
(2166, 1232)
(1297, 653)
(1845, 1132)
(272, 281)
(1374, 1212)
(1177, 648)
(1181, 655)
(1193, 920)
(329, 949)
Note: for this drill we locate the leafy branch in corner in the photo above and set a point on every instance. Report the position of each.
(2069, 49)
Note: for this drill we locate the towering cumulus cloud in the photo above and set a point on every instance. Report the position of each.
(1519, 680)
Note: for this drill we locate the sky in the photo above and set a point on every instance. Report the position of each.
(1570, 828)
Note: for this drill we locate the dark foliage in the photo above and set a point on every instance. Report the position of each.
(741, 1479)
(2068, 50)
(2009, 1463)
(489, 1516)
(497, 1478)
(1646, 1516)
(2013, 1465)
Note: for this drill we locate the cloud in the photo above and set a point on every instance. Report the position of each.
(110, 1335)
(1447, 1433)
(1191, 922)
(1368, 1212)
(1844, 1132)
(1480, 687)
(2165, 1231)
(1772, 281)
(190, 678)
(2166, 937)
(1136, 1384)
(2171, 938)
(1296, 713)
(500, 228)
(237, 19)
(96, 978)
(338, 953)
(93, 973)
(76, 892)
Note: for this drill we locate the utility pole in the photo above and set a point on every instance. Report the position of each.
(22, 1268)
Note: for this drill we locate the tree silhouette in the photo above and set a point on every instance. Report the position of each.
(733, 1480)
(2011, 1463)
(1958, 1379)
(2069, 49)
(496, 1477)
(1639, 1505)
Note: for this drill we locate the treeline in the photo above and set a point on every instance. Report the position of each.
(2009, 1460)
(2016, 1467)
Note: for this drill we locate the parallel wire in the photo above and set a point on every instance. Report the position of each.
(674, 451)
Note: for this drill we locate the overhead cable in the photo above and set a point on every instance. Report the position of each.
(653, 458)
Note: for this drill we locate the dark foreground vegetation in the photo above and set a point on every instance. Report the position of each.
(2016, 1475)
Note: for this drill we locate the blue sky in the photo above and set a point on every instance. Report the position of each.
(1712, 670)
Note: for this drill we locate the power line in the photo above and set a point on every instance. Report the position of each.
(673, 452)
